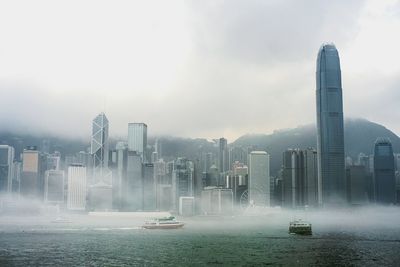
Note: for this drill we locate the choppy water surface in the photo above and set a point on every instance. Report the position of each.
(229, 241)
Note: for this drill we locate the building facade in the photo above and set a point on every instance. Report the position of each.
(223, 156)
(330, 133)
(356, 185)
(77, 187)
(99, 149)
(384, 172)
(137, 139)
(6, 168)
(215, 200)
(30, 185)
(182, 180)
(259, 179)
(54, 187)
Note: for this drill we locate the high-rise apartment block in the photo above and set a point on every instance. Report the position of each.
(77, 187)
(259, 179)
(6, 168)
(137, 139)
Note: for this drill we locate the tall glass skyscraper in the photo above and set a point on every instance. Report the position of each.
(384, 172)
(99, 147)
(330, 136)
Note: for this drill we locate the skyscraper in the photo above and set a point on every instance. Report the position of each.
(237, 154)
(293, 178)
(30, 184)
(182, 180)
(54, 187)
(384, 172)
(6, 168)
(133, 187)
(77, 189)
(259, 179)
(149, 187)
(223, 156)
(158, 148)
(356, 184)
(300, 178)
(119, 184)
(99, 148)
(137, 138)
(330, 136)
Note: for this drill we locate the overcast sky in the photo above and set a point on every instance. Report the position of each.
(192, 68)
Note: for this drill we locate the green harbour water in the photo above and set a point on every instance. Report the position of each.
(204, 241)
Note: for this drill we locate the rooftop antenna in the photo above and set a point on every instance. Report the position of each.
(105, 103)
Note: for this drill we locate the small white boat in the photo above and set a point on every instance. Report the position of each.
(300, 227)
(61, 220)
(163, 223)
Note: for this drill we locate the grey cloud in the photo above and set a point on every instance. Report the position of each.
(34, 110)
(252, 69)
(259, 31)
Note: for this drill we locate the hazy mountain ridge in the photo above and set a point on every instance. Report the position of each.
(360, 136)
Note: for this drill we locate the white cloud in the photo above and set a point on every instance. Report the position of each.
(191, 68)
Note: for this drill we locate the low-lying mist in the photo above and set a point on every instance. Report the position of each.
(26, 215)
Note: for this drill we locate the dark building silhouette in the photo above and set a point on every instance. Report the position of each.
(300, 179)
(357, 185)
(384, 172)
(223, 160)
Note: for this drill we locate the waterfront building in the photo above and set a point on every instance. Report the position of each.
(119, 183)
(6, 168)
(301, 186)
(182, 180)
(216, 201)
(238, 181)
(186, 206)
(384, 172)
(30, 185)
(77, 187)
(356, 185)
(330, 134)
(164, 197)
(133, 185)
(100, 197)
(54, 187)
(149, 187)
(16, 179)
(259, 178)
(313, 185)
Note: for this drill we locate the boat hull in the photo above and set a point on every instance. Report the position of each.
(163, 226)
(300, 230)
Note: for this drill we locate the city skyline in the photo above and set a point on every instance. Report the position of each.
(266, 67)
(199, 133)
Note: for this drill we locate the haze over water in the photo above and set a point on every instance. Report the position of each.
(360, 237)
